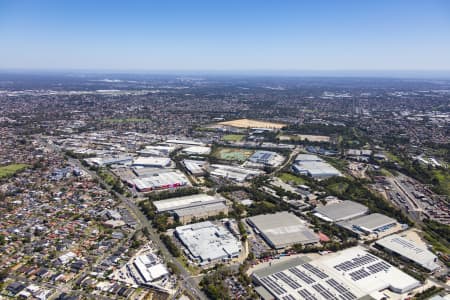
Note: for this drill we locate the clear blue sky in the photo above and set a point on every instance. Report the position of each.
(225, 35)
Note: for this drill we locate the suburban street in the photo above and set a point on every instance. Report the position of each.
(188, 283)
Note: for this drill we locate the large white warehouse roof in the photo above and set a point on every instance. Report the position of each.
(348, 275)
(409, 250)
(283, 229)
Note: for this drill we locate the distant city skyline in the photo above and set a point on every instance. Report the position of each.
(274, 37)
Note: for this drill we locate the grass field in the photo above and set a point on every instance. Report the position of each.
(232, 154)
(443, 178)
(339, 164)
(385, 172)
(286, 177)
(233, 137)
(338, 188)
(392, 157)
(10, 170)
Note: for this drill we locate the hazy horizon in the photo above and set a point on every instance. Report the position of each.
(399, 74)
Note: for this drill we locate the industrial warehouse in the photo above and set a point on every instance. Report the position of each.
(159, 181)
(409, 251)
(152, 162)
(354, 217)
(313, 166)
(156, 150)
(235, 173)
(349, 274)
(282, 230)
(197, 150)
(195, 167)
(195, 206)
(109, 160)
(207, 243)
(266, 158)
(340, 211)
(183, 143)
(372, 225)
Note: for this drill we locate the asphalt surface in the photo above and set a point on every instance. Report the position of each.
(188, 283)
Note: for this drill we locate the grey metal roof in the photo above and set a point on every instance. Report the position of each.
(342, 210)
(410, 250)
(373, 221)
(283, 229)
(186, 202)
(208, 242)
(281, 266)
(200, 209)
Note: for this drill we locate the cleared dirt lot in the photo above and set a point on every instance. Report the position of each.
(247, 123)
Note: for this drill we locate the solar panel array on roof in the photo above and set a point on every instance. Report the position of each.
(359, 274)
(356, 262)
(314, 284)
(306, 295)
(378, 267)
(303, 276)
(326, 294)
(348, 275)
(368, 272)
(410, 250)
(273, 286)
(407, 244)
(347, 296)
(287, 280)
(309, 281)
(344, 292)
(315, 271)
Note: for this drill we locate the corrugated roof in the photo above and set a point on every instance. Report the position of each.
(342, 210)
(410, 250)
(284, 229)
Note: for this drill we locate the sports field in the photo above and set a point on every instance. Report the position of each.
(247, 123)
(10, 170)
(232, 154)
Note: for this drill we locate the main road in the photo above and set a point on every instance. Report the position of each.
(289, 160)
(190, 285)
